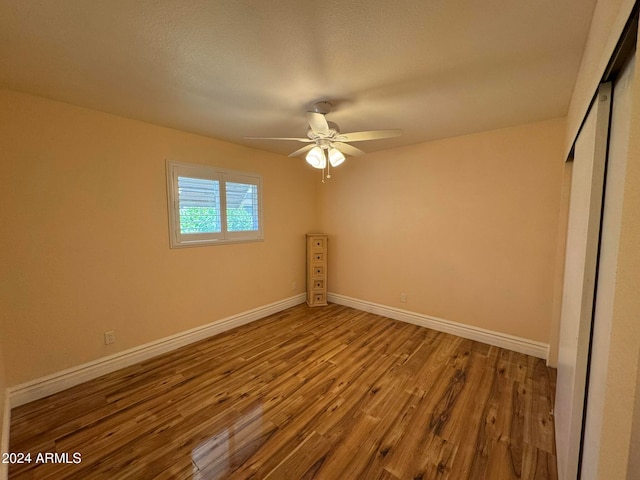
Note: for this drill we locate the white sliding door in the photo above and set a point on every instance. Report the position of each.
(579, 281)
(611, 221)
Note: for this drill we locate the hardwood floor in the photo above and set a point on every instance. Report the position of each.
(325, 393)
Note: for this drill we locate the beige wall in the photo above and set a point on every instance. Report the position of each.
(466, 227)
(634, 446)
(4, 436)
(3, 386)
(85, 245)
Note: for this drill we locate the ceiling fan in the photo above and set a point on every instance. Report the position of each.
(324, 136)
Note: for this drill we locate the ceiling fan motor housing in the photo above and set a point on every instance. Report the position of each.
(322, 107)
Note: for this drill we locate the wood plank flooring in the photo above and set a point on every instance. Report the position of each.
(327, 393)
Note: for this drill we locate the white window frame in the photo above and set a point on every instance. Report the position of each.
(191, 170)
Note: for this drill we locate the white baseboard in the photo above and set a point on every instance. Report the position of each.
(42, 387)
(502, 340)
(4, 439)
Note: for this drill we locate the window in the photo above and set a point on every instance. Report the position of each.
(209, 205)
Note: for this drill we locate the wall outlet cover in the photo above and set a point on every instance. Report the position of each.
(109, 337)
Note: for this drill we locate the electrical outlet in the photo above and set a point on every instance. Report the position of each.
(403, 297)
(294, 285)
(109, 337)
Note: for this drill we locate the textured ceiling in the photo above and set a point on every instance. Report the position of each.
(229, 69)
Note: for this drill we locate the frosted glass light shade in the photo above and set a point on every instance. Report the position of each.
(316, 158)
(335, 157)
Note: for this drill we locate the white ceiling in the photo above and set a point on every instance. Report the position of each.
(229, 69)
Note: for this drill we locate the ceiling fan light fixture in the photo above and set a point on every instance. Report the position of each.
(316, 158)
(335, 157)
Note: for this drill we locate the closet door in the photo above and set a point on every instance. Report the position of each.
(607, 268)
(579, 281)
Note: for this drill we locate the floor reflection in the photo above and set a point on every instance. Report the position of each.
(229, 448)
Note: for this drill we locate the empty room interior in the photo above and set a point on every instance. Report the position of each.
(338, 240)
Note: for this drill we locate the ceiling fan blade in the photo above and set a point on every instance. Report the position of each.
(370, 135)
(298, 139)
(318, 123)
(348, 149)
(306, 148)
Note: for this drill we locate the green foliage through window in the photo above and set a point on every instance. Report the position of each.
(206, 220)
(199, 220)
(239, 220)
